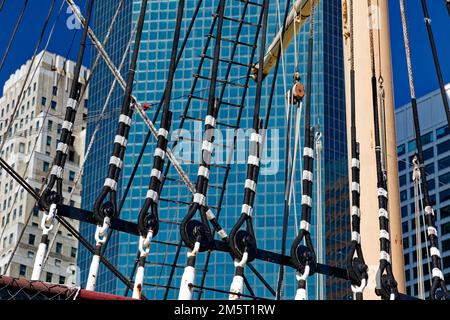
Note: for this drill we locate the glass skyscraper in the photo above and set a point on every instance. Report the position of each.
(328, 105)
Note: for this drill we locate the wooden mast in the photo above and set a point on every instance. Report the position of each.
(365, 134)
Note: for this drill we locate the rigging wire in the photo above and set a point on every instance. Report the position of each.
(280, 57)
(243, 243)
(293, 98)
(22, 90)
(438, 289)
(386, 285)
(417, 216)
(436, 59)
(104, 212)
(422, 209)
(50, 199)
(37, 137)
(231, 153)
(2, 4)
(196, 234)
(148, 219)
(304, 257)
(149, 134)
(40, 131)
(64, 222)
(180, 126)
(356, 266)
(13, 35)
(101, 117)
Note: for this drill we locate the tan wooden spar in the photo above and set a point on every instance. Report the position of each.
(297, 17)
(365, 134)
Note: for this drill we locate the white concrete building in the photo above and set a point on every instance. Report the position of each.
(29, 146)
(436, 141)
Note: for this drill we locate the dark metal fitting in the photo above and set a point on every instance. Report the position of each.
(245, 242)
(195, 231)
(303, 257)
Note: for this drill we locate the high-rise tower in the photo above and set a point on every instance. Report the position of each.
(329, 115)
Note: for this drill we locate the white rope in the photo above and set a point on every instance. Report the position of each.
(422, 211)
(297, 147)
(420, 276)
(319, 213)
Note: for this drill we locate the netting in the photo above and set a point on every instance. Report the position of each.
(22, 289)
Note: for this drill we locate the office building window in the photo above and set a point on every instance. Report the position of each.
(443, 147)
(62, 280)
(48, 277)
(442, 132)
(401, 150)
(53, 105)
(445, 212)
(22, 270)
(45, 166)
(55, 90)
(73, 252)
(58, 248)
(444, 195)
(43, 101)
(31, 239)
(427, 138)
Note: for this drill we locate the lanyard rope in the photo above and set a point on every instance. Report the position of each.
(304, 257)
(386, 286)
(196, 234)
(50, 199)
(56, 174)
(356, 266)
(148, 220)
(438, 282)
(243, 242)
(436, 58)
(105, 211)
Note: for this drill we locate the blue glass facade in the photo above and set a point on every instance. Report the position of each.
(328, 102)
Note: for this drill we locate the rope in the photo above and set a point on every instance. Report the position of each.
(243, 250)
(20, 97)
(13, 35)
(293, 97)
(40, 131)
(101, 116)
(199, 237)
(356, 265)
(148, 222)
(417, 215)
(438, 288)
(64, 222)
(319, 208)
(139, 108)
(49, 200)
(386, 286)
(305, 262)
(104, 212)
(436, 59)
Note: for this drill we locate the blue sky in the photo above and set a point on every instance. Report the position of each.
(424, 72)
